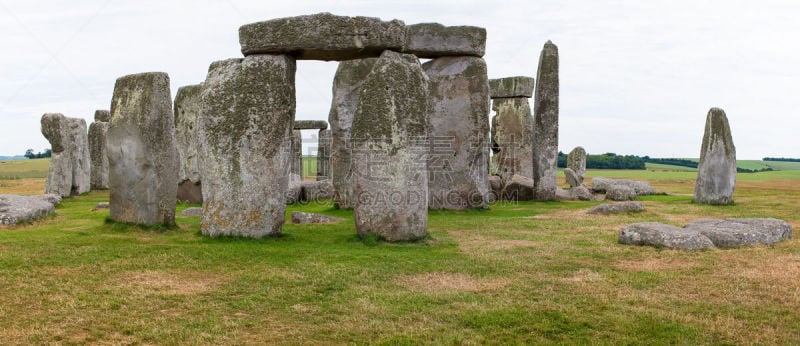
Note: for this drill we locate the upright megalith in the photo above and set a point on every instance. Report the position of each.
(324, 155)
(512, 126)
(458, 163)
(296, 169)
(142, 158)
(245, 136)
(97, 149)
(390, 131)
(187, 109)
(716, 172)
(576, 161)
(347, 83)
(70, 164)
(545, 137)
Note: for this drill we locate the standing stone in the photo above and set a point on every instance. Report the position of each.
(573, 179)
(82, 161)
(98, 154)
(350, 76)
(294, 188)
(142, 158)
(716, 172)
(545, 152)
(187, 109)
(70, 164)
(390, 131)
(102, 115)
(324, 155)
(245, 131)
(512, 137)
(458, 164)
(576, 161)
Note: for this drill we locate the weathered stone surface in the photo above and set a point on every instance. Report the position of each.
(576, 161)
(142, 158)
(102, 115)
(738, 232)
(659, 234)
(642, 188)
(98, 155)
(519, 86)
(15, 209)
(512, 137)
(572, 178)
(496, 187)
(316, 190)
(347, 83)
(545, 137)
(101, 205)
(322, 36)
(617, 208)
(582, 193)
(310, 124)
(716, 171)
(324, 156)
(433, 40)
(518, 188)
(187, 109)
(300, 217)
(70, 164)
(620, 193)
(458, 163)
(51, 198)
(245, 132)
(389, 164)
(193, 211)
(294, 188)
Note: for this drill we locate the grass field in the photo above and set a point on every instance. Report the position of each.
(528, 272)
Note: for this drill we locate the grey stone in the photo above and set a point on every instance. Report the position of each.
(545, 137)
(294, 187)
(324, 156)
(519, 86)
(659, 234)
(102, 115)
(617, 208)
(101, 205)
(433, 40)
(15, 209)
(245, 136)
(142, 158)
(98, 155)
(642, 188)
(310, 124)
(564, 195)
(458, 163)
(389, 163)
(518, 188)
(51, 198)
(316, 190)
(738, 232)
(716, 171)
(572, 178)
(300, 217)
(322, 36)
(582, 193)
(512, 137)
(620, 193)
(187, 109)
(192, 211)
(70, 163)
(576, 161)
(496, 187)
(347, 83)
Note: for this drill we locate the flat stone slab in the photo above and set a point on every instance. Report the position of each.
(193, 211)
(738, 232)
(519, 86)
(659, 234)
(15, 209)
(310, 124)
(601, 184)
(617, 208)
(433, 40)
(323, 36)
(300, 217)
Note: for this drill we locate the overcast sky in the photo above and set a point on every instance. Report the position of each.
(637, 77)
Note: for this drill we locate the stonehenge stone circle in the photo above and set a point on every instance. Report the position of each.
(347, 83)
(716, 172)
(576, 161)
(458, 163)
(389, 164)
(187, 109)
(142, 158)
(545, 137)
(511, 87)
(433, 40)
(98, 155)
(324, 155)
(512, 137)
(70, 163)
(245, 144)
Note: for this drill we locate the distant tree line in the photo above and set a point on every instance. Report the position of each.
(607, 161)
(783, 159)
(29, 154)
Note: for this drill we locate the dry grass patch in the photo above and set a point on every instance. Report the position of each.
(448, 282)
(655, 264)
(170, 283)
(28, 186)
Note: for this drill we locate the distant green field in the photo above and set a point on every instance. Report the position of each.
(745, 164)
(21, 169)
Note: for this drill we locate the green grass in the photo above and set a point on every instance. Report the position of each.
(21, 169)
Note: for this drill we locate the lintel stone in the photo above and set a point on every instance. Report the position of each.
(519, 86)
(310, 124)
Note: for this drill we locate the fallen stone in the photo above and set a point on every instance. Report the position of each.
(716, 171)
(51, 198)
(310, 124)
(576, 161)
(642, 188)
(545, 134)
(518, 188)
(617, 208)
(512, 137)
(192, 211)
(98, 155)
(659, 234)
(187, 109)
(620, 193)
(519, 86)
(572, 178)
(322, 36)
(316, 190)
(738, 232)
(582, 193)
(433, 40)
(16, 209)
(102, 115)
(300, 217)
(101, 205)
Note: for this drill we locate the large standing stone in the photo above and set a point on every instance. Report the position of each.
(458, 164)
(350, 76)
(245, 135)
(187, 109)
(390, 131)
(142, 158)
(576, 161)
(433, 40)
(512, 137)
(98, 155)
(324, 155)
(322, 36)
(519, 86)
(294, 188)
(716, 172)
(545, 138)
(70, 163)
